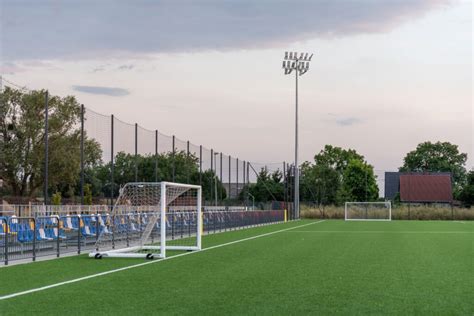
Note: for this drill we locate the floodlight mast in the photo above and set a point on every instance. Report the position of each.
(300, 65)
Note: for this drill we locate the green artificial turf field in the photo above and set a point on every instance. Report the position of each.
(329, 267)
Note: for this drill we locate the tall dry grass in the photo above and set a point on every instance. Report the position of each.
(405, 212)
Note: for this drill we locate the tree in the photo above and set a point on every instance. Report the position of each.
(437, 157)
(269, 187)
(336, 158)
(322, 181)
(209, 185)
(22, 118)
(467, 193)
(359, 183)
(319, 183)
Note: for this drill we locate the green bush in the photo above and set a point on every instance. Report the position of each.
(87, 194)
(56, 198)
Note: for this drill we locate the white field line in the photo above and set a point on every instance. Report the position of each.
(5, 297)
(461, 222)
(377, 232)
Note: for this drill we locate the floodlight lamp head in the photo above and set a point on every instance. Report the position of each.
(306, 56)
(291, 55)
(301, 55)
(310, 57)
(286, 55)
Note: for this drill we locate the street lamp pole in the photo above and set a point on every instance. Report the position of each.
(300, 64)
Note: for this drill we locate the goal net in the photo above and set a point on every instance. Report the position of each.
(368, 211)
(150, 218)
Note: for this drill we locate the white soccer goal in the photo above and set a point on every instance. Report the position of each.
(368, 211)
(150, 218)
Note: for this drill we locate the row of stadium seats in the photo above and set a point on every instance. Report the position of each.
(46, 228)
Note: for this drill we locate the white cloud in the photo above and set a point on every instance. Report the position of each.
(114, 92)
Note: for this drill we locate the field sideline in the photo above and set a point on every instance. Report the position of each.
(303, 267)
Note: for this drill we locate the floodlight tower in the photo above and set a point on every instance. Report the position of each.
(300, 64)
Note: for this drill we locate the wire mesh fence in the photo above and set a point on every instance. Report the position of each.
(117, 137)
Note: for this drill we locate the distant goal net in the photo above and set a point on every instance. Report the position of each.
(149, 219)
(368, 211)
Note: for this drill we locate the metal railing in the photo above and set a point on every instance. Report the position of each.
(32, 237)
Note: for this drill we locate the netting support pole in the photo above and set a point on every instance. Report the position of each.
(212, 173)
(248, 184)
(220, 164)
(243, 173)
(172, 162)
(237, 179)
(284, 183)
(220, 177)
(46, 147)
(112, 161)
(200, 165)
(187, 162)
(136, 152)
(230, 176)
(156, 155)
(82, 155)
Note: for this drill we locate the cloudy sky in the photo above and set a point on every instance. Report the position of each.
(385, 76)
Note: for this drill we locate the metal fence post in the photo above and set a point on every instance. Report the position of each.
(79, 221)
(222, 181)
(230, 188)
(136, 152)
(82, 154)
(284, 183)
(46, 147)
(237, 179)
(57, 238)
(243, 172)
(156, 155)
(34, 238)
(212, 175)
(187, 162)
(7, 240)
(200, 165)
(172, 162)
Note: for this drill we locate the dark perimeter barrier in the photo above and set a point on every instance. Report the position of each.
(28, 238)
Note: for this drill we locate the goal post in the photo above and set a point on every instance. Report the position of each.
(368, 211)
(149, 219)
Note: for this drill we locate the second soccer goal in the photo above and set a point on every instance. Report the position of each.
(368, 211)
(151, 218)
